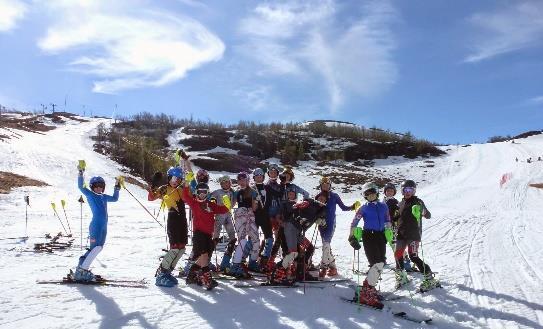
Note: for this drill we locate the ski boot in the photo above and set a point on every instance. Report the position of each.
(253, 266)
(279, 276)
(83, 275)
(185, 270)
(369, 296)
(401, 278)
(225, 263)
(429, 282)
(332, 271)
(165, 278)
(207, 280)
(322, 272)
(237, 270)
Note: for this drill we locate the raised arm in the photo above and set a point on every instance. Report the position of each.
(81, 184)
(342, 205)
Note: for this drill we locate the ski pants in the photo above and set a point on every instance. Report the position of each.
(247, 234)
(97, 238)
(224, 220)
(374, 243)
(413, 251)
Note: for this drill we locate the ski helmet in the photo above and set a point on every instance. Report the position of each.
(409, 184)
(224, 179)
(290, 188)
(175, 172)
(273, 166)
(242, 175)
(370, 188)
(97, 181)
(258, 172)
(389, 186)
(202, 176)
(202, 189)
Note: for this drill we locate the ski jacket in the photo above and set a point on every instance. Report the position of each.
(273, 195)
(375, 215)
(170, 196)
(218, 194)
(203, 213)
(409, 227)
(97, 202)
(333, 201)
(245, 197)
(393, 209)
(303, 214)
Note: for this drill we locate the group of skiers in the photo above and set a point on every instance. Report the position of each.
(271, 206)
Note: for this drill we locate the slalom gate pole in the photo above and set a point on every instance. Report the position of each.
(56, 213)
(27, 203)
(81, 222)
(63, 203)
(147, 210)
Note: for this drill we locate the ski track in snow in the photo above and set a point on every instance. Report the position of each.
(485, 242)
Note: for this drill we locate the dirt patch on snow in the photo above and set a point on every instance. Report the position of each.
(10, 181)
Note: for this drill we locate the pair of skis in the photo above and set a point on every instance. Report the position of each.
(399, 314)
(100, 281)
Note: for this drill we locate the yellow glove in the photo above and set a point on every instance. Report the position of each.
(356, 205)
(226, 201)
(189, 177)
(119, 181)
(81, 165)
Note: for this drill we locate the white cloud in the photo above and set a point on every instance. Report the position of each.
(302, 39)
(10, 12)
(256, 98)
(507, 29)
(536, 100)
(127, 48)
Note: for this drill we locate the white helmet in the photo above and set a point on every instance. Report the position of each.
(370, 188)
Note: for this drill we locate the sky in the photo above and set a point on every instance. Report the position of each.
(447, 71)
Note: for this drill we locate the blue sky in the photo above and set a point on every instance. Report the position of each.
(448, 71)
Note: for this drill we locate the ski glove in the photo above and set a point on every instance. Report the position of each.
(389, 235)
(119, 181)
(81, 165)
(357, 233)
(354, 243)
(226, 202)
(356, 205)
(189, 177)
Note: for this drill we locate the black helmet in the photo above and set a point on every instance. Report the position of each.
(409, 183)
(389, 186)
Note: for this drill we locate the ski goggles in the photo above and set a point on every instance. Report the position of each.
(370, 192)
(202, 192)
(408, 190)
(101, 185)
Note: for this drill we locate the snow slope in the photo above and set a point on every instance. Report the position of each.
(482, 239)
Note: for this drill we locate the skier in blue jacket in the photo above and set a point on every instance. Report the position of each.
(375, 235)
(97, 201)
(328, 262)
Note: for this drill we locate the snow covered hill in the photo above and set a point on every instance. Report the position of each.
(484, 240)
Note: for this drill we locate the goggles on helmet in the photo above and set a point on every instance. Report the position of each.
(408, 190)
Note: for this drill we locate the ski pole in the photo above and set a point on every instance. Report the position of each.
(81, 201)
(56, 213)
(138, 201)
(63, 203)
(27, 204)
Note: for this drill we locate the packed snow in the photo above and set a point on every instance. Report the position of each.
(484, 239)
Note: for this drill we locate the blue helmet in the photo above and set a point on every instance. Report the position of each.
(175, 172)
(97, 180)
(258, 172)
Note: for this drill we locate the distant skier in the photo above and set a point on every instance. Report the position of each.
(412, 209)
(97, 201)
(332, 200)
(176, 224)
(375, 235)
